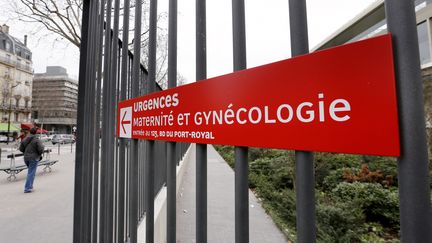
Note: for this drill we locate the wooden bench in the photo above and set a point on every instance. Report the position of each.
(13, 169)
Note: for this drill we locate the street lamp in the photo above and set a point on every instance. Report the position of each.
(10, 110)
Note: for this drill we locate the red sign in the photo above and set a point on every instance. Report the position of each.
(336, 100)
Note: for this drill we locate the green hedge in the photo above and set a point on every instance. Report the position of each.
(357, 200)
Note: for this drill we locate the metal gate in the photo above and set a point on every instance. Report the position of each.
(116, 179)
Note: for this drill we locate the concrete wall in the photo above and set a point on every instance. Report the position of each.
(160, 206)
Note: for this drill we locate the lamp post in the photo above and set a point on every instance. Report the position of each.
(10, 110)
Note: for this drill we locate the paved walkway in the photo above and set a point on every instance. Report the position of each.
(220, 193)
(44, 216)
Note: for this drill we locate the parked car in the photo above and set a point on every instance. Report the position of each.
(3, 139)
(63, 138)
(51, 136)
(44, 138)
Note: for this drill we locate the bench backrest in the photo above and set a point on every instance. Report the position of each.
(10, 156)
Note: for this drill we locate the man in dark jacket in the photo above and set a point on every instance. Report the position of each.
(33, 149)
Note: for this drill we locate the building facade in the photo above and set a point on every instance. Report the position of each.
(55, 100)
(16, 75)
(371, 22)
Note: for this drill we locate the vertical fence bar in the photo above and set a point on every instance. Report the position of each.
(129, 232)
(305, 180)
(79, 170)
(134, 143)
(241, 195)
(88, 120)
(143, 162)
(171, 146)
(201, 149)
(97, 131)
(414, 187)
(104, 230)
(110, 120)
(141, 179)
(149, 172)
(122, 148)
(241, 153)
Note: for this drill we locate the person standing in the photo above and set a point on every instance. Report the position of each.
(33, 149)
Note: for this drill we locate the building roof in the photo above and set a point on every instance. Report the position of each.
(371, 20)
(15, 45)
(54, 73)
(363, 21)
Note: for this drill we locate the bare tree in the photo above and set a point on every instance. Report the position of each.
(181, 80)
(5, 89)
(59, 17)
(63, 18)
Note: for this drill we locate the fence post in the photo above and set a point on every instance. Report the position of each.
(305, 181)
(201, 149)
(122, 147)
(241, 153)
(80, 173)
(171, 146)
(133, 216)
(414, 188)
(149, 171)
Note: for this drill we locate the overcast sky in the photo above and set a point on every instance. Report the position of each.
(267, 30)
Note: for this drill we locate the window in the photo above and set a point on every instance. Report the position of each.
(419, 4)
(8, 46)
(18, 51)
(16, 116)
(424, 44)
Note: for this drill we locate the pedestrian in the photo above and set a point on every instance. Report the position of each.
(22, 135)
(14, 136)
(33, 149)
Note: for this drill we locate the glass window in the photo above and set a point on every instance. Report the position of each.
(424, 45)
(18, 51)
(419, 4)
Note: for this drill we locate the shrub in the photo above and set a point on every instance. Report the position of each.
(378, 203)
(333, 179)
(366, 175)
(338, 222)
(325, 163)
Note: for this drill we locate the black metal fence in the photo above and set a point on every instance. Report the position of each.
(116, 179)
(110, 185)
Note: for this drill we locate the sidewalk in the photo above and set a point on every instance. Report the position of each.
(220, 212)
(44, 216)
